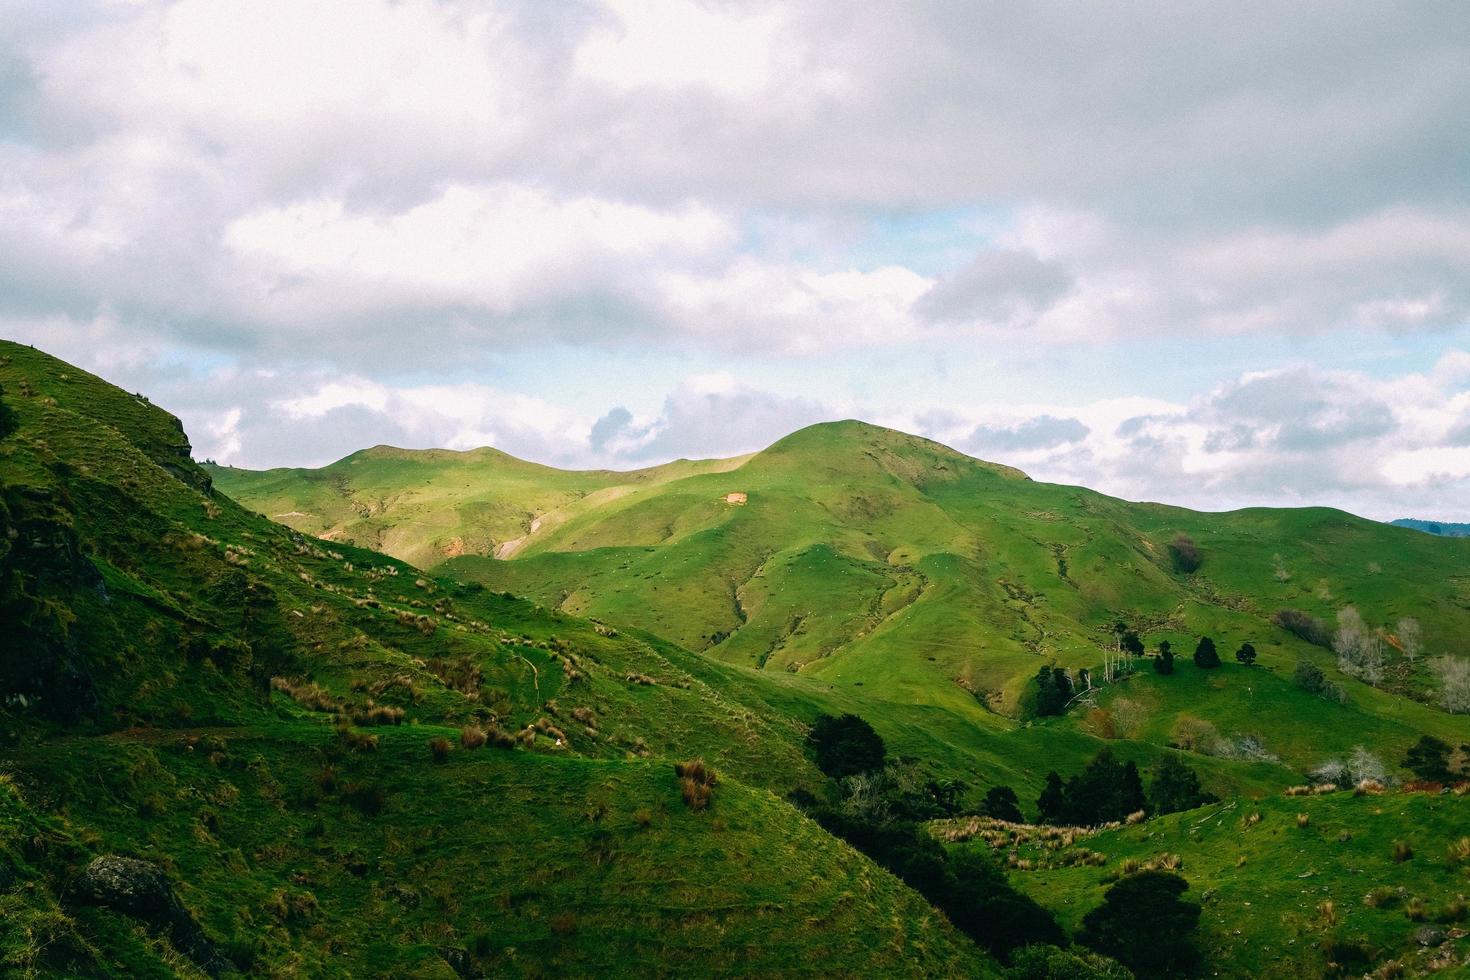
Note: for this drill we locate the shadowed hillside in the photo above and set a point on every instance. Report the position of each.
(344, 766)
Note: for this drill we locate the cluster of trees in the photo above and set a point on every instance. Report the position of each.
(1107, 791)
(1363, 652)
(1454, 683)
(1359, 650)
(1054, 691)
(877, 809)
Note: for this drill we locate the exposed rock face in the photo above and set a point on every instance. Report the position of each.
(142, 890)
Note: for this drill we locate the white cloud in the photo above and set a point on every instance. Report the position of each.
(282, 197)
(494, 246)
(678, 43)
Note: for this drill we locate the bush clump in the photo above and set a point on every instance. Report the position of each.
(1185, 554)
(1304, 626)
(696, 783)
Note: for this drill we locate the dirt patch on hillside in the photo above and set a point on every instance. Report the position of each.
(736, 498)
(452, 548)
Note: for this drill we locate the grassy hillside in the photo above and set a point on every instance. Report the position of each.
(927, 587)
(275, 718)
(253, 711)
(1288, 884)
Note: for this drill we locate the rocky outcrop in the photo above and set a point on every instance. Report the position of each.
(143, 891)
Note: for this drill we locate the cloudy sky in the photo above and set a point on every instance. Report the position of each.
(1214, 254)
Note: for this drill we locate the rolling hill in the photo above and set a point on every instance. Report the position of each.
(255, 713)
(283, 728)
(920, 583)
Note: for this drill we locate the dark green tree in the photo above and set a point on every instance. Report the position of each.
(1053, 691)
(1174, 787)
(1205, 655)
(1000, 803)
(1132, 644)
(1051, 805)
(1429, 759)
(1144, 924)
(846, 746)
(1164, 662)
(1246, 654)
(1104, 791)
(1133, 798)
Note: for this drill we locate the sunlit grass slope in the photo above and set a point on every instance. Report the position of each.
(925, 588)
(1287, 882)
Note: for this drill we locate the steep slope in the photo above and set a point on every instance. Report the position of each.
(251, 711)
(912, 577)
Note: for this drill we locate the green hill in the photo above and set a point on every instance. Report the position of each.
(927, 588)
(252, 711)
(282, 724)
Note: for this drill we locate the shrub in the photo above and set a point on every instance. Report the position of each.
(1402, 851)
(696, 783)
(1044, 962)
(1185, 554)
(1305, 627)
(846, 746)
(1309, 677)
(1452, 911)
(1303, 820)
(643, 816)
(1153, 897)
(368, 800)
(1458, 852)
(1382, 897)
(472, 737)
(1205, 655)
(439, 748)
(1415, 910)
(356, 741)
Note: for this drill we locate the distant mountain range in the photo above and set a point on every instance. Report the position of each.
(1441, 528)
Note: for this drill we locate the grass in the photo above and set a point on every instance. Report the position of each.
(266, 709)
(349, 764)
(1277, 892)
(924, 587)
